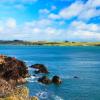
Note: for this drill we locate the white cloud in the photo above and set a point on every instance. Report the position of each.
(71, 11)
(80, 31)
(83, 35)
(43, 29)
(93, 3)
(38, 23)
(53, 16)
(79, 25)
(11, 23)
(84, 11)
(49, 28)
(88, 14)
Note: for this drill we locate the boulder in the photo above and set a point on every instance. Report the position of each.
(44, 80)
(40, 68)
(56, 80)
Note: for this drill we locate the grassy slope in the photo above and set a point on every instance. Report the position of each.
(52, 43)
(69, 43)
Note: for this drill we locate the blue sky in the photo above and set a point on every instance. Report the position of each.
(50, 20)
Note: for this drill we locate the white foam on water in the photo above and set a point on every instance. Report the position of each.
(31, 79)
(58, 98)
(31, 69)
(42, 95)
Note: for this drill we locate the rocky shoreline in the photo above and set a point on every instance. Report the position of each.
(13, 73)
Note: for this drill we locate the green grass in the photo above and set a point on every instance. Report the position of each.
(50, 43)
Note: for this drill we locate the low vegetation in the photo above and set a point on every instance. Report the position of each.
(65, 43)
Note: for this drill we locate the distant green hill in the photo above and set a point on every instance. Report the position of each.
(66, 43)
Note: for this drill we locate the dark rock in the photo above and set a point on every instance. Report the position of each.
(40, 68)
(56, 80)
(44, 80)
(12, 68)
(76, 77)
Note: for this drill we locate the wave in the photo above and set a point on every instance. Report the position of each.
(31, 69)
(42, 95)
(31, 79)
(57, 98)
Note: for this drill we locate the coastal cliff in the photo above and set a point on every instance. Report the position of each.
(12, 74)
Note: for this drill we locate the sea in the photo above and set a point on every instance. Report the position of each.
(67, 62)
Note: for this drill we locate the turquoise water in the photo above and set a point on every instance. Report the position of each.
(66, 62)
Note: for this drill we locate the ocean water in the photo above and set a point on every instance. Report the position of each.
(66, 62)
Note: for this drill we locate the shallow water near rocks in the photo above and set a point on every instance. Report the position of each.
(66, 62)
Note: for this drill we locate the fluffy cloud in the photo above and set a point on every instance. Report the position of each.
(53, 16)
(83, 11)
(79, 25)
(71, 11)
(43, 29)
(54, 26)
(83, 35)
(81, 31)
(11, 23)
(88, 14)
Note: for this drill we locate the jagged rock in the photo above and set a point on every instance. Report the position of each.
(40, 68)
(56, 80)
(12, 68)
(44, 80)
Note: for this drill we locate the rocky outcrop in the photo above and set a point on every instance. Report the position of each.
(56, 80)
(13, 72)
(12, 69)
(40, 68)
(44, 80)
